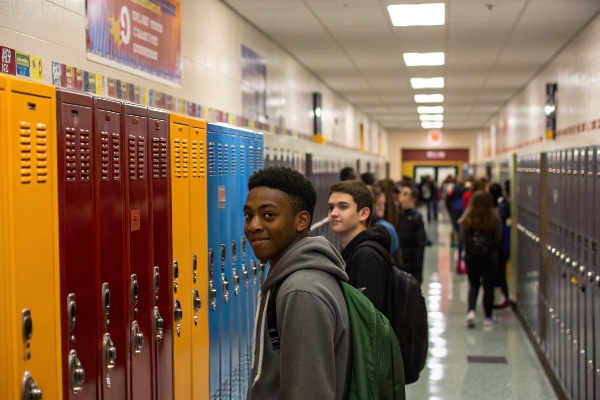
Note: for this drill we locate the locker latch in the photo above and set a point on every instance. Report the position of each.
(27, 326)
(194, 266)
(133, 294)
(137, 338)
(30, 389)
(233, 252)
(197, 304)
(225, 287)
(213, 294)
(178, 315)
(243, 247)
(236, 282)
(76, 373)
(105, 303)
(175, 275)
(110, 355)
(158, 325)
(254, 271)
(71, 311)
(223, 256)
(245, 273)
(156, 281)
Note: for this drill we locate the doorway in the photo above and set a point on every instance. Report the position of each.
(437, 173)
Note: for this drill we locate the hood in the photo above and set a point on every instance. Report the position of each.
(308, 253)
(378, 233)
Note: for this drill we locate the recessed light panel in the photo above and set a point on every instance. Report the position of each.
(417, 14)
(429, 98)
(427, 83)
(432, 125)
(430, 109)
(431, 117)
(423, 59)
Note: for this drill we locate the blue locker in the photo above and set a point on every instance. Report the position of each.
(259, 157)
(214, 259)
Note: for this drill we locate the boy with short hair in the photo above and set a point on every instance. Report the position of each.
(365, 250)
(411, 233)
(311, 359)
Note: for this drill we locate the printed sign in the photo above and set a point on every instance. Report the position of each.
(35, 68)
(139, 36)
(8, 66)
(221, 191)
(56, 73)
(135, 220)
(22, 63)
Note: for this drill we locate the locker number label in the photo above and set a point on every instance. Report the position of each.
(135, 220)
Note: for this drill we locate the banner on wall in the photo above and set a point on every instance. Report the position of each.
(142, 37)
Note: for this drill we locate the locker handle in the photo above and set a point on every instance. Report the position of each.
(236, 282)
(213, 294)
(110, 352)
(245, 272)
(30, 389)
(194, 266)
(158, 325)
(178, 315)
(76, 373)
(137, 338)
(225, 287)
(254, 271)
(71, 311)
(197, 304)
(156, 281)
(243, 247)
(233, 252)
(175, 275)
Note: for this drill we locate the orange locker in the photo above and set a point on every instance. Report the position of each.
(182, 260)
(199, 246)
(30, 257)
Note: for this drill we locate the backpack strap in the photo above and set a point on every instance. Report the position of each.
(272, 318)
(380, 249)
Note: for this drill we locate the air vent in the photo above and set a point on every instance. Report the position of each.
(141, 157)
(185, 154)
(242, 160)
(164, 157)
(25, 145)
(155, 158)
(202, 160)
(84, 154)
(220, 159)
(226, 160)
(70, 155)
(104, 156)
(42, 153)
(177, 157)
(116, 161)
(251, 156)
(132, 157)
(194, 159)
(211, 159)
(233, 161)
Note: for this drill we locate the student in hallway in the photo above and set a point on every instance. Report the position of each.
(411, 233)
(311, 359)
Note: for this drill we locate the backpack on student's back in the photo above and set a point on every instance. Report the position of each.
(478, 243)
(409, 316)
(377, 369)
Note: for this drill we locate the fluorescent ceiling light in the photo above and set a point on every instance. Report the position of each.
(429, 98)
(427, 83)
(430, 110)
(420, 59)
(432, 125)
(431, 117)
(417, 14)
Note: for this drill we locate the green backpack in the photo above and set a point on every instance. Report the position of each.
(377, 369)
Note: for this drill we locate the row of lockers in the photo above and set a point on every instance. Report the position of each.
(121, 243)
(559, 266)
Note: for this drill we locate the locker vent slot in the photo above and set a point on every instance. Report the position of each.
(251, 156)
(71, 159)
(141, 157)
(184, 150)
(116, 157)
(132, 157)
(42, 152)
(226, 160)
(104, 156)
(194, 159)
(233, 161)
(84, 145)
(25, 146)
(156, 158)
(242, 160)
(259, 159)
(202, 160)
(177, 154)
(164, 160)
(220, 159)
(211, 159)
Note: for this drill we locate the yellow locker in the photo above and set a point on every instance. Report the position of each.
(182, 262)
(199, 246)
(3, 264)
(28, 183)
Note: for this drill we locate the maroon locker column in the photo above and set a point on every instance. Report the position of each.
(162, 307)
(77, 244)
(138, 228)
(112, 315)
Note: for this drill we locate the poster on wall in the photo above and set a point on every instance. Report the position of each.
(142, 37)
(254, 85)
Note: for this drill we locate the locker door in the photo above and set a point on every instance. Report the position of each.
(77, 244)
(161, 297)
(564, 283)
(28, 183)
(596, 277)
(214, 258)
(580, 266)
(4, 277)
(181, 264)
(587, 278)
(112, 344)
(199, 253)
(259, 157)
(138, 228)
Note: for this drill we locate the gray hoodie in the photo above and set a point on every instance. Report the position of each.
(314, 357)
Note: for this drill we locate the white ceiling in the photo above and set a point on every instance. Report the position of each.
(493, 48)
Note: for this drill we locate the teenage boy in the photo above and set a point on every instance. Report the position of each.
(411, 233)
(365, 251)
(310, 358)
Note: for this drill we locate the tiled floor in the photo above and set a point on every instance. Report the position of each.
(448, 374)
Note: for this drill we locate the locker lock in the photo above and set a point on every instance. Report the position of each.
(178, 315)
(105, 297)
(137, 338)
(243, 247)
(133, 294)
(225, 287)
(71, 311)
(197, 304)
(223, 256)
(175, 275)
(158, 325)
(245, 273)
(27, 326)
(156, 281)
(213, 294)
(236, 282)
(76, 373)
(110, 353)
(211, 262)
(194, 266)
(233, 252)
(254, 271)
(30, 389)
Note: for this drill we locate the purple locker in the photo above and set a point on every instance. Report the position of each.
(77, 244)
(138, 242)
(111, 319)
(561, 255)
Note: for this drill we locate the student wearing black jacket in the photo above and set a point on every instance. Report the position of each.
(350, 205)
(411, 233)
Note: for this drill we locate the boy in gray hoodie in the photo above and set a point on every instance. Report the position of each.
(312, 358)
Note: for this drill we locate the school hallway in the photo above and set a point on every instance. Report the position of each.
(478, 363)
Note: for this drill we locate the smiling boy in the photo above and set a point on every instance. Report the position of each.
(310, 358)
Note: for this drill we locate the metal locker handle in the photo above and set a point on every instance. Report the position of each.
(223, 256)
(233, 252)
(236, 282)
(178, 315)
(156, 281)
(30, 389)
(225, 286)
(175, 275)
(243, 247)
(197, 304)
(213, 294)
(158, 325)
(71, 311)
(194, 266)
(76, 373)
(245, 273)
(254, 271)
(110, 352)
(133, 294)
(137, 338)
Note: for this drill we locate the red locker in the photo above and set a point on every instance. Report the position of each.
(138, 228)
(112, 314)
(162, 309)
(78, 263)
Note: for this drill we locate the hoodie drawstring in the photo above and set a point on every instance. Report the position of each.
(260, 332)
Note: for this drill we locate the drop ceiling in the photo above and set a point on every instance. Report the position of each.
(493, 48)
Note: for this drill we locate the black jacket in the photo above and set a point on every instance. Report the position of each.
(369, 269)
(411, 234)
